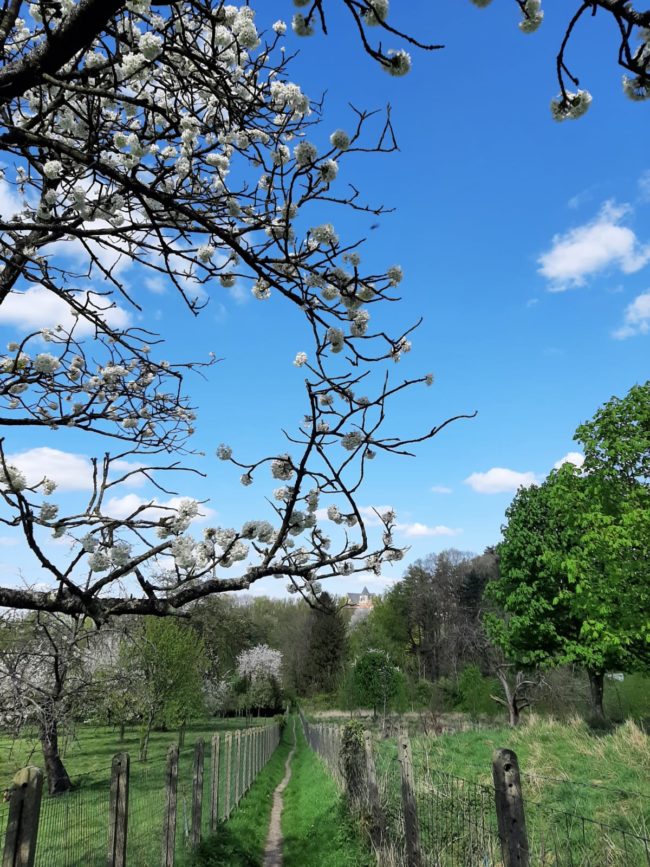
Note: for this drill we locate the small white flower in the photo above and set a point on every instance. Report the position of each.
(206, 252)
(328, 170)
(340, 139)
(575, 105)
(46, 363)
(52, 169)
(300, 27)
(224, 452)
(399, 63)
(246, 479)
(280, 28)
(300, 359)
(377, 13)
(305, 153)
(395, 275)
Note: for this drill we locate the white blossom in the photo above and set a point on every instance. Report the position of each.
(533, 16)
(300, 359)
(281, 468)
(224, 452)
(328, 170)
(52, 169)
(340, 139)
(399, 62)
(300, 26)
(280, 28)
(46, 363)
(395, 275)
(150, 45)
(377, 13)
(575, 105)
(305, 153)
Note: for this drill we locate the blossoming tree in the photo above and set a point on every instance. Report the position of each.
(169, 135)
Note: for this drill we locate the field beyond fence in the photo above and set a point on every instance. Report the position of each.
(136, 814)
(419, 813)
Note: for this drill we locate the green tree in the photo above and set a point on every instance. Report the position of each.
(376, 682)
(325, 647)
(166, 661)
(573, 586)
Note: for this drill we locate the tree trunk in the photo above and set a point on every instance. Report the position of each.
(122, 729)
(144, 740)
(597, 688)
(513, 712)
(58, 780)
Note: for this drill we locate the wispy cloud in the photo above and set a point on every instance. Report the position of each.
(636, 318)
(441, 489)
(417, 530)
(587, 250)
(499, 480)
(37, 308)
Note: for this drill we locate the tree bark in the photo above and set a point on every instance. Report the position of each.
(597, 688)
(58, 780)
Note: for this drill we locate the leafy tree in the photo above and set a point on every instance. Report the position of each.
(164, 661)
(376, 682)
(325, 647)
(573, 584)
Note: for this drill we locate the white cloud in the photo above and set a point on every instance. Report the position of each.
(575, 458)
(500, 480)
(416, 530)
(10, 201)
(71, 472)
(441, 489)
(38, 308)
(587, 250)
(123, 507)
(636, 319)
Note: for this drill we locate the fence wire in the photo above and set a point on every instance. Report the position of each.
(456, 821)
(73, 827)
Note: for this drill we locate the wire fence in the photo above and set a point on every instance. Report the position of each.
(165, 810)
(418, 815)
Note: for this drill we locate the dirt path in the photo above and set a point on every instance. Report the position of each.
(273, 849)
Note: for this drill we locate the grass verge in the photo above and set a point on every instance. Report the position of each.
(317, 829)
(240, 842)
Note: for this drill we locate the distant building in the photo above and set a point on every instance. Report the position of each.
(363, 600)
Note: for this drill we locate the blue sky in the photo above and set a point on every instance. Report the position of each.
(525, 246)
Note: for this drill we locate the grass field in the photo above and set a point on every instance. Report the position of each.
(586, 795)
(73, 827)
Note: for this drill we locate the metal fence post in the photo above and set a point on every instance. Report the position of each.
(22, 824)
(510, 809)
(118, 811)
(169, 822)
(409, 805)
(197, 793)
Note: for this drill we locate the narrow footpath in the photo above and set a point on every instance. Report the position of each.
(273, 849)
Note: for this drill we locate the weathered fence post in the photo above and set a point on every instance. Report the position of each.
(377, 823)
(169, 822)
(197, 793)
(214, 783)
(226, 799)
(118, 811)
(237, 765)
(22, 824)
(247, 761)
(409, 804)
(510, 809)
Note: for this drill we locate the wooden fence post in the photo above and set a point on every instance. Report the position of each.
(409, 805)
(214, 783)
(237, 764)
(247, 761)
(197, 793)
(22, 824)
(377, 822)
(510, 809)
(118, 811)
(169, 821)
(226, 799)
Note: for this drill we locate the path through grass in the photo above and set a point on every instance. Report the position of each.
(240, 842)
(317, 828)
